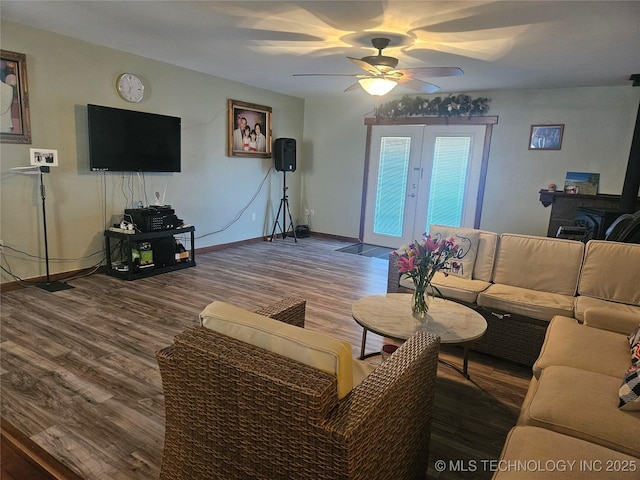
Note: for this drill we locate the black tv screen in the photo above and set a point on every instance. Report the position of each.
(129, 141)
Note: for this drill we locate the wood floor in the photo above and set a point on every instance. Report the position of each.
(79, 376)
(23, 459)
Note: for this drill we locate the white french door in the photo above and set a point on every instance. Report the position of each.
(421, 175)
(392, 185)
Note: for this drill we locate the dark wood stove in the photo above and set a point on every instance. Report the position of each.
(596, 221)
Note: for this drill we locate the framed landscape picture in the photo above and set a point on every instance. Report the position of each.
(15, 126)
(584, 183)
(546, 137)
(249, 128)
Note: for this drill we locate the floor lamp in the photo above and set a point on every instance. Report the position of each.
(48, 285)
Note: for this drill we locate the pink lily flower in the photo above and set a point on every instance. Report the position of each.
(406, 264)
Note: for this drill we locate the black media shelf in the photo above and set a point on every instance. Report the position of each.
(128, 241)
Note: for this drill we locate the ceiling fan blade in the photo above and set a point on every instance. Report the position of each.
(418, 85)
(431, 72)
(365, 66)
(352, 87)
(329, 75)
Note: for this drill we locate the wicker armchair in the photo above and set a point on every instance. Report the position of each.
(235, 411)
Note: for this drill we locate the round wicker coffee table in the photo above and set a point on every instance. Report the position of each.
(389, 315)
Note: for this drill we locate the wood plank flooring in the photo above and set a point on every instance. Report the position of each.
(79, 376)
(24, 459)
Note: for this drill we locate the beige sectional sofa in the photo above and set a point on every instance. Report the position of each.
(520, 282)
(572, 410)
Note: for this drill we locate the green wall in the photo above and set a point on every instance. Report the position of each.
(64, 75)
(599, 125)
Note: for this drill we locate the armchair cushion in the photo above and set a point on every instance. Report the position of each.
(314, 349)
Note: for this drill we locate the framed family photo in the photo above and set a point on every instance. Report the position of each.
(15, 126)
(249, 130)
(546, 137)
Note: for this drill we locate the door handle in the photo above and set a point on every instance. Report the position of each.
(412, 195)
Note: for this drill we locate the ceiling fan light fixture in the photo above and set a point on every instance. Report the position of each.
(377, 86)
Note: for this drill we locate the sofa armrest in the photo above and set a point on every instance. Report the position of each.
(289, 310)
(612, 320)
(393, 277)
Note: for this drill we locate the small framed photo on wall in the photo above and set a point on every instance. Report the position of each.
(546, 137)
(15, 126)
(43, 157)
(249, 128)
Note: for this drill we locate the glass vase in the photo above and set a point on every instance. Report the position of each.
(420, 302)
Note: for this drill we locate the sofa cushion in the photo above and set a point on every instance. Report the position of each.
(538, 263)
(526, 302)
(487, 249)
(612, 320)
(452, 287)
(571, 344)
(581, 404)
(467, 241)
(306, 346)
(563, 456)
(584, 303)
(618, 264)
(630, 389)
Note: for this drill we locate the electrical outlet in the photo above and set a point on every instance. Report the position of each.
(312, 212)
(253, 217)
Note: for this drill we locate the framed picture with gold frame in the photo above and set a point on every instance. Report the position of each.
(15, 126)
(249, 129)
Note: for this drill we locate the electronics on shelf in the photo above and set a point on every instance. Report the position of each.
(153, 218)
(151, 252)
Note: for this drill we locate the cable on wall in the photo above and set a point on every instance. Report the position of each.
(242, 210)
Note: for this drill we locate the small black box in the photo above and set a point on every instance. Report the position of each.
(302, 231)
(164, 251)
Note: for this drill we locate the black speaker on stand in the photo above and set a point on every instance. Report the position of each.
(284, 161)
(285, 154)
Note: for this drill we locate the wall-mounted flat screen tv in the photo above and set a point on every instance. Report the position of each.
(129, 141)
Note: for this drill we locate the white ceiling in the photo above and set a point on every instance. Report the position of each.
(499, 44)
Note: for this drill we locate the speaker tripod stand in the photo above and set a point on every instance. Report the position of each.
(286, 211)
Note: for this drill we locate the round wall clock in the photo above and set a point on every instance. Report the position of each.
(130, 87)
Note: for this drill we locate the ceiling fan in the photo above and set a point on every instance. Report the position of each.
(382, 75)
